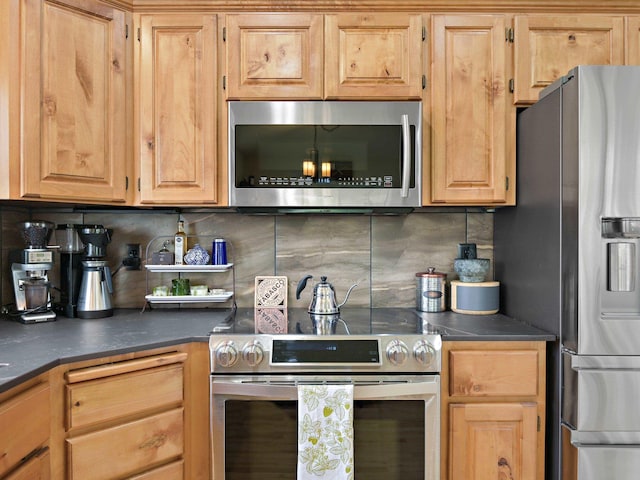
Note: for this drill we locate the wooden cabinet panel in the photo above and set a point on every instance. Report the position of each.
(74, 115)
(633, 41)
(36, 468)
(24, 425)
(173, 471)
(177, 109)
(110, 398)
(493, 440)
(275, 56)
(547, 47)
(373, 55)
(470, 116)
(122, 450)
(493, 373)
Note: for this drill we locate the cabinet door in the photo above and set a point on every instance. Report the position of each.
(547, 47)
(37, 467)
(24, 426)
(373, 55)
(633, 41)
(493, 440)
(177, 109)
(275, 56)
(470, 115)
(74, 117)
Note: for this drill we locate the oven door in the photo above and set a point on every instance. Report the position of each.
(395, 419)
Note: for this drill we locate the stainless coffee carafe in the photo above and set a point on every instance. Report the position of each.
(94, 299)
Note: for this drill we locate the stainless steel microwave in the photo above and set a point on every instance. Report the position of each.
(325, 155)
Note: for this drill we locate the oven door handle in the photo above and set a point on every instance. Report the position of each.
(406, 156)
(361, 390)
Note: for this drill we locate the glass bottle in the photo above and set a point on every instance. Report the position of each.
(180, 241)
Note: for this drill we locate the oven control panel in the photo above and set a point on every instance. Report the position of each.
(325, 353)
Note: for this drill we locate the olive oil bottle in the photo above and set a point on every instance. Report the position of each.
(180, 242)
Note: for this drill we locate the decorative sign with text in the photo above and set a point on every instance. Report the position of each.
(271, 292)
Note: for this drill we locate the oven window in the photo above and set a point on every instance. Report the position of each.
(326, 156)
(261, 439)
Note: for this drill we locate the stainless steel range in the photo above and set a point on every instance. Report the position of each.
(390, 357)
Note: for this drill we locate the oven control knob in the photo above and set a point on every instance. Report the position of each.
(253, 353)
(397, 352)
(226, 354)
(424, 352)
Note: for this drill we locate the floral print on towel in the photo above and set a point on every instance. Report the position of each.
(325, 432)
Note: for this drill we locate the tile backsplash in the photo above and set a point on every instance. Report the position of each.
(381, 254)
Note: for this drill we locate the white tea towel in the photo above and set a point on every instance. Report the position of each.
(325, 432)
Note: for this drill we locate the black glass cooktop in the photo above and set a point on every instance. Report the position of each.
(350, 321)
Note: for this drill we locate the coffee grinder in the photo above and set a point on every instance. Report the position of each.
(29, 273)
(94, 298)
(71, 255)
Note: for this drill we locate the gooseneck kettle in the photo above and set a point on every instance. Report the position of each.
(324, 296)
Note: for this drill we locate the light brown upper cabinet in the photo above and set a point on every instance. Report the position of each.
(315, 56)
(73, 125)
(177, 109)
(472, 119)
(547, 47)
(277, 56)
(633, 41)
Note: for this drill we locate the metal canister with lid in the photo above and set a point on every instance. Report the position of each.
(430, 291)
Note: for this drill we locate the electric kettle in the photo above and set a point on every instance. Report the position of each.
(324, 296)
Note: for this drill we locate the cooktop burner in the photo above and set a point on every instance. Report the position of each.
(350, 321)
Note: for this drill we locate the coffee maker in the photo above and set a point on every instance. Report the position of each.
(94, 298)
(71, 255)
(29, 273)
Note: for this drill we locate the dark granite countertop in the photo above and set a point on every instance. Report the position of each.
(29, 350)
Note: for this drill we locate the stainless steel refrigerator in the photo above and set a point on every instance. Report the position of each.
(567, 258)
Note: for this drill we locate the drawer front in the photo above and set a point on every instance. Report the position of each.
(109, 398)
(24, 425)
(493, 373)
(119, 451)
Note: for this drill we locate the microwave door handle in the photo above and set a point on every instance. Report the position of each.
(406, 156)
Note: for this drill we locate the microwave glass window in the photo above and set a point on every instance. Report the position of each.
(261, 439)
(354, 156)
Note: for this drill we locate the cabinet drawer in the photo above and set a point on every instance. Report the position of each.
(24, 425)
(109, 398)
(493, 373)
(119, 451)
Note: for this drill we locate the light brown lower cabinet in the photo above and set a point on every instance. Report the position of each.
(37, 467)
(141, 416)
(25, 432)
(493, 410)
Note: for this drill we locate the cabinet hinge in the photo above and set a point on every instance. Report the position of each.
(424, 82)
(139, 34)
(126, 31)
(511, 85)
(138, 183)
(424, 33)
(224, 82)
(508, 35)
(126, 183)
(224, 34)
(538, 422)
(506, 184)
